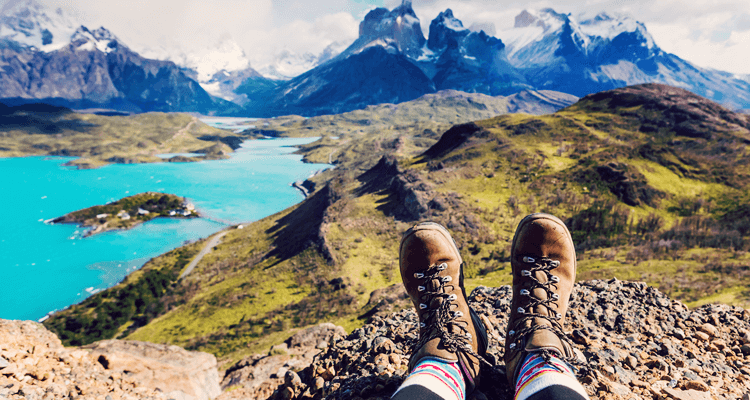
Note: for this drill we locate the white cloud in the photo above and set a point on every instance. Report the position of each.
(709, 33)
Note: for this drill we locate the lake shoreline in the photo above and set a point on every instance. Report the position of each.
(246, 187)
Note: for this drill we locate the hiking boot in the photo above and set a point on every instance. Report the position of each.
(432, 272)
(543, 260)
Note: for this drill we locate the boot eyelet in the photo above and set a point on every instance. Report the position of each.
(520, 310)
(559, 316)
(421, 288)
(512, 346)
(555, 296)
(468, 335)
(422, 306)
(446, 279)
(422, 325)
(419, 275)
(511, 333)
(525, 272)
(525, 292)
(555, 264)
(555, 279)
(452, 297)
(442, 267)
(458, 314)
(529, 260)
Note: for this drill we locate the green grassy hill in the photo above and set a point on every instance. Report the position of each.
(98, 140)
(652, 180)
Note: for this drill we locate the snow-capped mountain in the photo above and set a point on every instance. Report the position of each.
(397, 30)
(43, 60)
(581, 56)
(287, 64)
(457, 58)
(545, 50)
(379, 67)
(30, 24)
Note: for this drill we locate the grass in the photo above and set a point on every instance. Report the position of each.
(736, 295)
(99, 140)
(253, 290)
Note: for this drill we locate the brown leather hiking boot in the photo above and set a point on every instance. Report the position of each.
(432, 272)
(543, 260)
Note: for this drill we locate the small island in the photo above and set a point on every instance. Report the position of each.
(130, 211)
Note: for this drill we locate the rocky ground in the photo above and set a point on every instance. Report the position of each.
(35, 366)
(638, 344)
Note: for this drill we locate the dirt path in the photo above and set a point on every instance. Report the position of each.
(207, 248)
(183, 132)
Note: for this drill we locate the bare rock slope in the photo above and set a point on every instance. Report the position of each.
(636, 341)
(638, 344)
(35, 365)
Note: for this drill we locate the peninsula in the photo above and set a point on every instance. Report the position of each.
(130, 211)
(98, 140)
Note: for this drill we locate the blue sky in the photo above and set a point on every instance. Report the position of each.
(714, 34)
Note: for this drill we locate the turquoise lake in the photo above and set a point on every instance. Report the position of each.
(48, 267)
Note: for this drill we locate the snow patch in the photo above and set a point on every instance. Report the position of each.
(31, 24)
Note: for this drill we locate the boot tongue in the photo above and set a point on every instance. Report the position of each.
(434, 286)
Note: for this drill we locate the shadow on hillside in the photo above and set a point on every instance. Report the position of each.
(406, 195)
(452, 139)
(40, 119)
(301, 228)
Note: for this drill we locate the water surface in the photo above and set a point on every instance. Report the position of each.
(46, 267)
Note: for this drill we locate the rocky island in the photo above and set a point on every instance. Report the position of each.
(130, 211)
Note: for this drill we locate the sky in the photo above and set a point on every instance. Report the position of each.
(709, 33)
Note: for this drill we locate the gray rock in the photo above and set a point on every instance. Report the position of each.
(312, 336)
(181, 373)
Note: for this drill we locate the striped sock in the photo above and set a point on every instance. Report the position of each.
(441, 377)
(537, 375)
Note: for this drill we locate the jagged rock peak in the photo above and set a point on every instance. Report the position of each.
(399, 28)
(99, 39)
(545, 18)
(525, 18)
(445, 31)
(447, 19)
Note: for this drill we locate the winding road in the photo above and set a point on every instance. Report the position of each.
(210, 245)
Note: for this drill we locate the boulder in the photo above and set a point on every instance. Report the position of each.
(182, 374)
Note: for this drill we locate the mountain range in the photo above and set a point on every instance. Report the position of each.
(545, 50)
(652, 181)
(47, 56)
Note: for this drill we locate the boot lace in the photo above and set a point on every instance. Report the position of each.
(442, 322)
(546, 265)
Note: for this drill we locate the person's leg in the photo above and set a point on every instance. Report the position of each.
(452, 339)
(537, 351)
(433, 379)
(542, 379)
